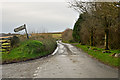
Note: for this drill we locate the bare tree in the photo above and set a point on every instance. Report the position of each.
(107, 13)
(86, 8)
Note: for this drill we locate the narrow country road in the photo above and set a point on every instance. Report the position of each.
(67, 62)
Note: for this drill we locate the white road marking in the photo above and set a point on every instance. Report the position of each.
(55, 51)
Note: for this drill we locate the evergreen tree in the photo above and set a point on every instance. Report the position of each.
(76, 29)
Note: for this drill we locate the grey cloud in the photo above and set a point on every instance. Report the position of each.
(52, 16)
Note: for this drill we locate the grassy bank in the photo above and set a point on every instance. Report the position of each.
(35, 47)
(103, 57)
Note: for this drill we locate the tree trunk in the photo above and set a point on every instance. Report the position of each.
(91, 38)
(106, 33)
(119, 29)
(106, 38)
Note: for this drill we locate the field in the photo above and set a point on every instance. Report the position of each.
(54, 35)
(57, 36)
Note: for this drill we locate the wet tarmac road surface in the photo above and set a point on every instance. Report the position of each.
(66, 62)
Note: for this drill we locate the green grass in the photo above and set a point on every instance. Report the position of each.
(27, 50)
(103, 57)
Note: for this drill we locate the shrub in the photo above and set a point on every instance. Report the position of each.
(14, 41)
(33, 46)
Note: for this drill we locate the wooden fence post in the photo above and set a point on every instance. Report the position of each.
(26, 32)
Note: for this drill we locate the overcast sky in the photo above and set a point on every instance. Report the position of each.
(39, 16)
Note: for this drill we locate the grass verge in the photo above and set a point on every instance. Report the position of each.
(26, 50)
(105, 58)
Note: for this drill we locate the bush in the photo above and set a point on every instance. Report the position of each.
(48, 41)
(32, 46)
(50, 44)
(14, 41)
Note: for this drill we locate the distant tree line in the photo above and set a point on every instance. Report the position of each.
(98, 24)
